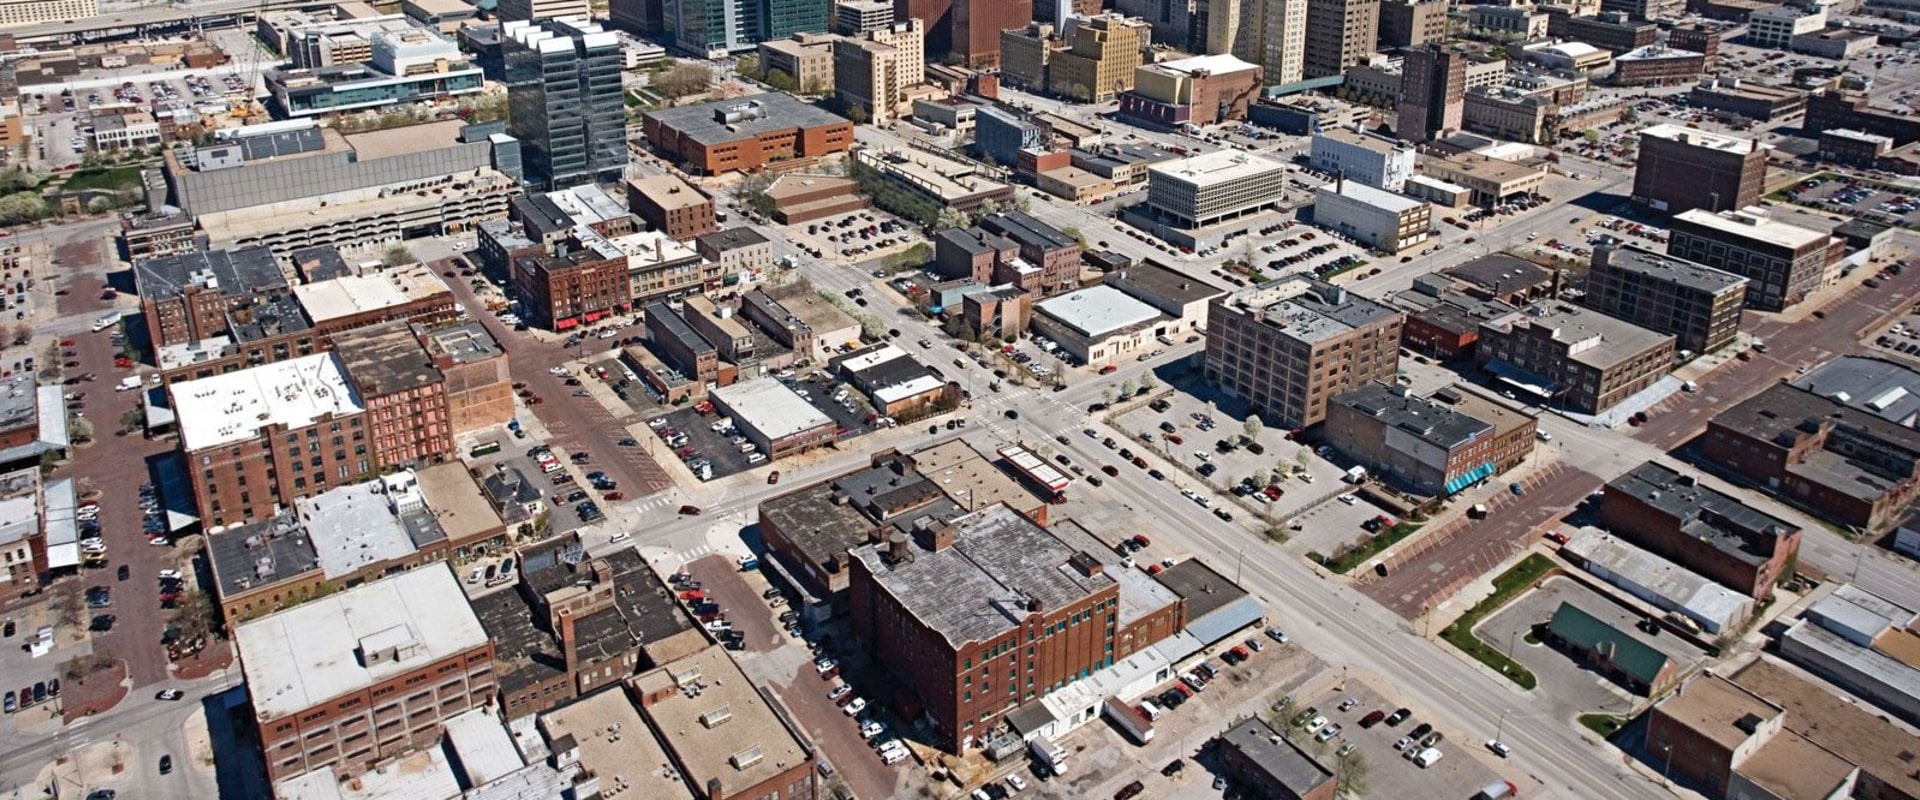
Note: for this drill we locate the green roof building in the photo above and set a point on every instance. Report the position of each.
(1612, 652)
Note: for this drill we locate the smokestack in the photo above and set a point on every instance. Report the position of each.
(568, 645)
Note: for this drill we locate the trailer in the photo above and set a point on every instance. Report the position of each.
(1497, 790)
(1138, 727)
(1052, 755)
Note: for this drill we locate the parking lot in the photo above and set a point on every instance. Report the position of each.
(1571, 687)
(689, 432)
(1902, 335)
(1456, 774)
(1890, 205)
(563, 515)
(857, 235)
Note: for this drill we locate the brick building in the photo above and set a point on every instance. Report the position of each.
(672, 206)
(364, 675)
(1202, 90)
(479, 385)
(996, 313)
(1271, 765)
(985, 612)
(1055, 254)
(1847, 465)
(580, 286)
(1581, 359)
(1712, 533)
(405, 395)
(1696, 303)
(799, 198)
(1289, 346)
(1447, 328)
(188, 297)
(727, 737)
(1783, 263)
(1681, 169)
(746, 134)
(1831, 109)
(1421, 444)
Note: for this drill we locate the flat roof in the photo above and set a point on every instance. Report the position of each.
(1698, 138)
(457, 502)
(260, 554)
(1718, 709)
(1283, 762)
(1024, 229)
(1848, 729)
(969, 476)
(1311, 310)
(1205, 590)
(1877, 386)
(1218, 166)
(1790, 765)
(735, 119)
(358, 525)
(406, 140)
(615, 743)
(979, 587)
(1591, 337)
(311, 653)
(1383, 145)
(464, 343)
(419, 775)
(19, 402)
(719, 725)
(1097, 311)
(650, 248)
(1424, 418)
(1654, 52)
(1669, 269)
(384, 359)
(1218, 64)
(1725, 521)
(1479, 166)
(233, 407)
(889, 373)
(1377, 198)
(1716, 607)
(732, 238)
(369, 291)
(1783, 408)
(771, 408)
(479, 738)
(1152, 278)
(946, 178)
(230, 272)
(669, 191)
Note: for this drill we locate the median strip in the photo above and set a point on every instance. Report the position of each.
(1506, 587)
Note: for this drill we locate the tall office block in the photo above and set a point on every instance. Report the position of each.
(1681, 169)
(1271, 33)
(1433, 93)
(564, 101)
(1411, 23)
(855, 17)
(1340, 34)
(1099, 65)
(713, 28)
(966, 31)
(784, 18)
(640, 17)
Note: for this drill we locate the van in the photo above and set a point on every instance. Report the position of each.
(1152, 711)
(1427, 758)
(756, 458)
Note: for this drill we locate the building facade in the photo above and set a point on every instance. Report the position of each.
(1340, 34)
(1357, 155)
(1290, 346)
(562, 291)
(1215, 187)
(1717, 535)
(1848, 466)
(746, 134)
(565, 102)
(1379, 219)
(1201, 90)
(1421, 444)
(672, 206)
(1433, 92)
(1783, 262)
(1581, 359)
(1682, 169)
(1696, 303)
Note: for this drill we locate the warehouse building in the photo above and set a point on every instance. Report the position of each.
(1576, 357)
(1659, 582)
(1696, 303)
(1421, 444)
(1379, 219)
(1703, 529)
(777, 421)
(1098, 325)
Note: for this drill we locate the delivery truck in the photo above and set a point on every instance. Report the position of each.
(1053, 756)
(1138, 727)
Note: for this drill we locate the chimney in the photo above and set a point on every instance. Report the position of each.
(897, 547)
(568, 645)
(602, 571)
(941, 537)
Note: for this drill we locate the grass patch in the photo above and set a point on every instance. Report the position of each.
(1351, 557)
(111, 179)
(1604, 724)
(1507, 586)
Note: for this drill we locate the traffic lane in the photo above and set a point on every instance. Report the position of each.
(1434, 567)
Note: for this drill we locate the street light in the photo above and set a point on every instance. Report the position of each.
(1668, 749)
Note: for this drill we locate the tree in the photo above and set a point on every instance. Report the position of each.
(952, 218)
(1146, 381)
(1261, 477)
(1354, 772)
(1107, 395)
(856, 114)
(1592, 136)
(1251, 427)
(780, 81)
(80, 430)
(67, 608)
(196, 618)
(99, 204)
(683, 80)
(1126, 388)
(397, 255)
(23, 207)
(1081, 93)
(1076, 235)
(1212, 409)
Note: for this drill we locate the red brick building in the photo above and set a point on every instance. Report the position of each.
(1846, 465)
(1677, 518)
(580, 286)
(187, 297)
(747, 134)
(407, 419)
(672, 206)
(967, 30)
(1040, 245)
(983, 613)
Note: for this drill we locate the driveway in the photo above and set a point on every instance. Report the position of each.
(1571, 688)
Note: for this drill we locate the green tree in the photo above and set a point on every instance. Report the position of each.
(1212, 409)
(1591, 136)
(99, 204)
(780, 81)
(23, 207)
(1261, 477)
(80, 430)
(856, 114)
(1147, 382)
(1126, 388)
(397, 255)
(1251, 427)
(1076, 235)
(683, 80)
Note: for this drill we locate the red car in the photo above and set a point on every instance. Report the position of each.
(1141, 539)
(1175, 438)
(1557, 536)
(612, 496)
(693, 595)
(1109, 369)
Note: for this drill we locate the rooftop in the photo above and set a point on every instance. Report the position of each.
(1792, 766)
(771, 408)
(1655, 52)
(1591, 337)
(1283, 762)
(1728, 523)
(1482, 167)
(1669, 269)
(1848, 729)
(1159, 281)
(1590, 633)
(1212, 64)
(1884, 388)
(233, 407)
(363, 524)
(1782, 413)
(1424, 418)
(1715, 606)
(464, 343)
(370, 291)
(1753, 224)
(1378, 198)
(999, 565)
(615, 744)
(481, 745)
(970, 477)
(457, 503)
(1023, 229)
(645, 249)
(19, 402)
(385, 359)
(1097, 311)
(1719, 709)
(949, 179)
(718, 725)
(1698, 138)
(1311, 310)
(405, 140)
(344, 642)
(732, 239)
(735, 119)
(260, 554)
(1205, 590)
(420, 775)
(232, 273)
(669, 191)
(1219, 166)
(662, 320)
(1383, 145)
(889, 373)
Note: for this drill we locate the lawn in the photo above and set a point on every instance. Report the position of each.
(113, 179)
(1354, 556)
(1505, 587)
(1604, 724)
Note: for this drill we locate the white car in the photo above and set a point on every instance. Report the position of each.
(557, 371)
(855, 706)
(1018, 783)
(1314, 725)
(170, 575)
(1349, 499)
(872, 729)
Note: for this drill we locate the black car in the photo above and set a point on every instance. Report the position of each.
(1156, 475)
(166, 765)
(1012, 414)
(101, 623)
(1173, 768)
(122, 573)
(1398, 716)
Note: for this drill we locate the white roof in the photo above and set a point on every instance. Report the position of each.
(1754, 225)
(311, 653)
(1210, 168)
(1217, 64)
(771, 408)
(229, 408)
(1698, 138)
(423, 775)
(1378, 198)
(1570, 49)
(62, 537)
(652, 247)
(873, 358)
(1655, 51)
(352, 527)
(1426, 180)
(1097, 311)
(1715, 607)
(912, 388)
(486, 751)
(355, 294)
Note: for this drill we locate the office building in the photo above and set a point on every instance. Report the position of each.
(1490, 181)
(478, 383)
(1611, 31)
(944, 182)
(807, 58)
(1755, 101)
(1211, 188)
(579, 287)
(1202, 90)
(1696, 303)
(1658, 65)
(364, 675)
(1831, 108)
(404, 395)
(855, 17)
(1290, 346)
(538, 10)
(1340, 34)
(564, 101)
(28, 12)
(1421, 444)
(1520, 22)
(1377, 218)
(1775, 27)
(1715, 534)
(1269, 33)
(1357, 155)
(1577, 358)
(1848, 466)
(1784, 262)
(671, 206)
(948, 602)
(966, 30)
(1026, 54)
(1699, 37)
(1433, 93)
(1412, 23)
(1100, 61)
(402, 66)
(1682, 169)
(780, 19)
(746, 134)
(873, 73)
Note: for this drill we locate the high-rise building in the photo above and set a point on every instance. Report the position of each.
(640, 17)
(713, 28)
(1271, 33)
(1100, 64)
(1340, 34)
(855, 17)
(1433, 93)
(1290, 346)
(536, 10)
(1696, 303)
(873, 72)
(1171, 20)
(1681, 169)
(564, 101)
(1411, 23)
(965, 31)
(783, 18)
(1026, 54)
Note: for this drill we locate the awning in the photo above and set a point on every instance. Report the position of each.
(1521, 379)
(1226, 620)
(63, 532)
(1470, 478)
(176, 490)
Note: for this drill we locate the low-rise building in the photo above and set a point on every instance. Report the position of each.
(1357, 155)
(1848, 466)
(1184, 300)
(360, 676)
(1775, 27)
(454, 497)
(1124, 165)
(1516, 21)
(895, 384)
(1863, 643)
(1659, 582)
(1580, 359)
(1211, 188)
(724, 734)
(718, 325)
(1854, 148)
(660, 268)
(946, 182)
(747, 133)
(1303, 114)
(1639, 667)
(671, 206)
(1832, 108)
(479, 385)
(1715, 534)
(775, 419)
(1447, 327)
(1696, 303)
(1756, 101)
(404, 394)
(1202, 90)
(1878, 748)
(799, 197)
(1838, 45)
(1420, 444)
(579, 287)
(1099, 325)
(1609, 30)
(1783, 262)
(807, 58)
(1259, 758)
(1380, 219)
(801, 321)
(1504, 278)
(1491, 180)
(1658, 65)
(736, 250)
(996, 312)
